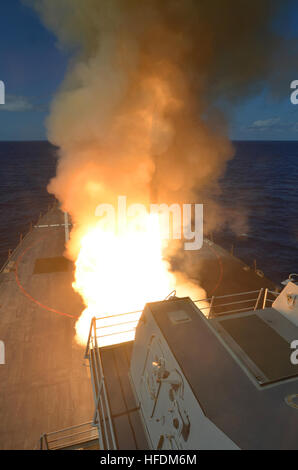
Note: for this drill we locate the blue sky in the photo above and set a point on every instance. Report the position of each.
(32, 67)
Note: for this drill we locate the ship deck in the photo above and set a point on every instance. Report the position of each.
(127, 424)
(45, 382)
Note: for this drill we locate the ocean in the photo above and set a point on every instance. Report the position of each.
(260, 186)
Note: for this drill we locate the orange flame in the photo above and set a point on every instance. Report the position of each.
(118, 273)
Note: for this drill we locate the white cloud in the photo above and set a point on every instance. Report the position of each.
(265, 124)
(16, 104)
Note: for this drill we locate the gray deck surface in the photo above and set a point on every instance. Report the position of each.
(219, 272)
(262, 344)
(44, 385)
(253, 418)
(125, 414)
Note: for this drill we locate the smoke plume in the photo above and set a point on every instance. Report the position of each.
(137, 113)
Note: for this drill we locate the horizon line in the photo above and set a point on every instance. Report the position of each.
(231, 140)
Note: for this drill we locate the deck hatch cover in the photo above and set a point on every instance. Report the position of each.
(52, 265)
(262, 345)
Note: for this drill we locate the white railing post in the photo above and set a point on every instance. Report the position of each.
(265, 298)
(66, 228)
(88, 342)
(211, 305)
(258, 298)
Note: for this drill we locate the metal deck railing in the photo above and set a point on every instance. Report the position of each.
(67, 438)
(102, 414)
(23, 237)
(113, 329)
(118, 328)
(236, 303)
